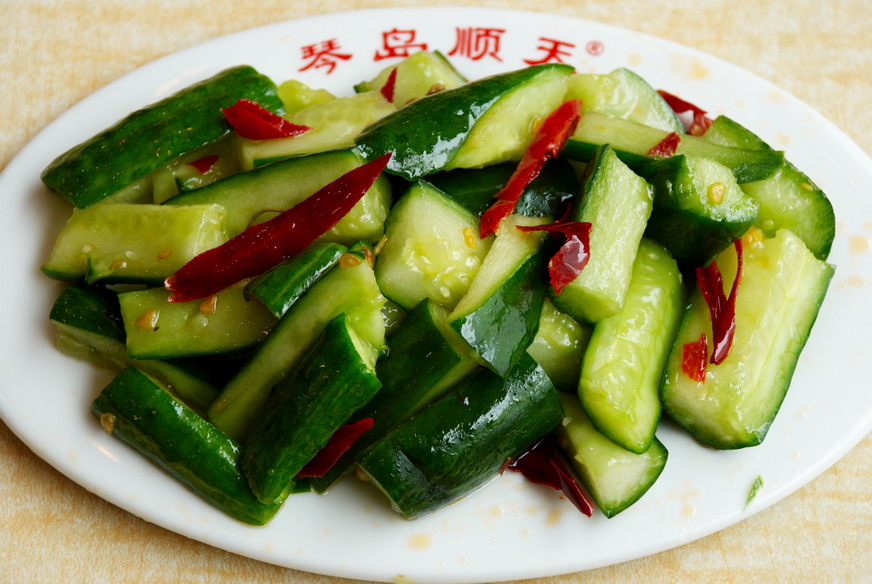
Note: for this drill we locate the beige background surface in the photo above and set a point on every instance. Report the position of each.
(52, 54)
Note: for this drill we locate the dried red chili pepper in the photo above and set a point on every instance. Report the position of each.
(543, 465)
(721, 308)
(343, 439)
(701, 121)
(387, 89)
(666, 147)
(570, 259)
(693, 358)
(253, 122)
(547, 143)
(204, 164)
(264, 245)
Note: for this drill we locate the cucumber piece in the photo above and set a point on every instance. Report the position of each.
(419, 75)
(89, 327)
(633, 141)
(788, 199)
(559, 346)
(392, 314)
(258, 195)
(782, 288)
(187, 177)
(133, 243)
(427, 135)
(699, 209)
(626, 95)
(296, 95)
(616, 478)
(153, 136)
(617, 203)
(306, 409)
(139, 411)
(426, 359)
(350, 289)
(158, 329)
(335, 123)
(506, 129)
(461, 441)
(280, 287)
(626, 356)
(432, 249)
(474, 189)
(499, 315)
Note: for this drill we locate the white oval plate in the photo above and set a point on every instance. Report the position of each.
(508, 530)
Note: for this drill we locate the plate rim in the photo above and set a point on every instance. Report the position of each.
(845, 445)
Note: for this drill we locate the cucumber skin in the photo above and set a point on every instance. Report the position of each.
(691, 237)
(461, 441)
(416, 366)
(475, 189)
(180, 442)
(280, 287)
(788, 199)
(153, 136)
(351, 290)
(504, 325)
(595, 130)
(425, 135)
(305, 410)
(90, 317)
(89, 308)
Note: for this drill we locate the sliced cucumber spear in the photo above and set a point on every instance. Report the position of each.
(155, 135)
(484, 122)
(143, 414)
(306, 409)
(426, 360)
(499, 315)
(782, 288)
(624, 361)
(615, 477)
(617, 203)
(463, 440)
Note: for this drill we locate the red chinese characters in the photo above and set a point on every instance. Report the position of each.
(553, 51)
(323, 55)
(399, 44)
(476, 43)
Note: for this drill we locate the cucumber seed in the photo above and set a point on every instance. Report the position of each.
(148, 321)
(716, 192)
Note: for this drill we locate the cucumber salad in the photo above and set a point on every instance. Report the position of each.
(433, 281)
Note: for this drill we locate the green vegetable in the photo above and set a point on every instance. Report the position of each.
(782, 288)
(632, 142)
(755, 489)
(617, 203)
(144, 415)
(615, 477)
(351, 290)
(427, 359)
(304, 410)
(463, 439)
(493, 126)
(153, 136)
(499, 315)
